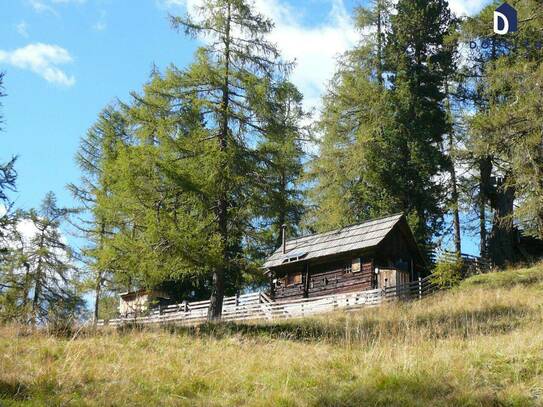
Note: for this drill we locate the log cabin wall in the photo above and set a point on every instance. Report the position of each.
(335, 276)
(291, 280)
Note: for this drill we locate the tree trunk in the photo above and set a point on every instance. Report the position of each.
(502, 237)
(217, 291)
(501, 196)
(282, 218)
(456, 215)
(37, 295)
(486, 190)
(97, 291)
(482, 226)
(379, 43)
(454, 186)
(37, 284)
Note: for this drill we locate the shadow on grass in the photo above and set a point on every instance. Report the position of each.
(13, 391)
(413, 390)
(495, 319)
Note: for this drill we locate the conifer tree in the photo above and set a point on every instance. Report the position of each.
(50, 276)
(419, 62)
(491, 87)
(8, 176)
(7, 170)
(97, 149)
(278, 198)
(354, 117)
(384, 122)
(230, 69)
(503, 136)
(159, 193)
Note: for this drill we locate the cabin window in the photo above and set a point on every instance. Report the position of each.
(294, 278)
(348, 268)
(356, 265)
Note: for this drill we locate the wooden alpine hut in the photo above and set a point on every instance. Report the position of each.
(375, 254)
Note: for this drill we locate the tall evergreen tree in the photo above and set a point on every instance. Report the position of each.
(42, 281)
(7, 170)
(97, 149)
(497, 144)
(419, 62)
(384, 122)
(354, 117)
(159, 194)
(230, 70)
(278, 198)
(8, 176)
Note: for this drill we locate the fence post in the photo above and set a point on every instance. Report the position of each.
(420, 288)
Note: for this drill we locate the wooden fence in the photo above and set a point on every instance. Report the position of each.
(258, 306)
(470, 264)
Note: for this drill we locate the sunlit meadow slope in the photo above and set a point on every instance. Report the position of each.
(478, 345)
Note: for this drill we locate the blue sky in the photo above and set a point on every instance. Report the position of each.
(65, 60)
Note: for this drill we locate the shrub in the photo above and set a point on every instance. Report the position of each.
(447, 274)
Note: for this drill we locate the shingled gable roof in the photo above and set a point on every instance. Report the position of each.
(356, 237)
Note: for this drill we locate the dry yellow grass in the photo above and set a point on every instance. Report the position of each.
(478, 345)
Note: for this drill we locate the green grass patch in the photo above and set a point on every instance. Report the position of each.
(532, 276)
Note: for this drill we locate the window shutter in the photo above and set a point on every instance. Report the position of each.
(356, 265)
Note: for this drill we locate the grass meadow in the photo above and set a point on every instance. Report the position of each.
(480, 344)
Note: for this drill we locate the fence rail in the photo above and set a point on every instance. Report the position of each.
(470, 264)
(259, 306)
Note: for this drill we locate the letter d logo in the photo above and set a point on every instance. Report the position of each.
(505, 19)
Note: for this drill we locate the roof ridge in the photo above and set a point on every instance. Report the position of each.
(306, 244)
(346, 227)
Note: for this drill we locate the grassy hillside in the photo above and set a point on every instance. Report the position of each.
(478, 345)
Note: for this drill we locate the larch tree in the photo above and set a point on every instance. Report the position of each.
(159, 200)
(96, 150)
(232, 67)
(12, 280)
(8, 177)
(50, 266)
(278, 197)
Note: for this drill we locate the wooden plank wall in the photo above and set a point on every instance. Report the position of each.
(329, 278)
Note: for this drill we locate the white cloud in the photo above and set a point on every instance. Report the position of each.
(42, 59)
(46, 6)
(22, 29)
(41, 6)
(101, 24)
(172, 3)
(467, 7)
(314, 48)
